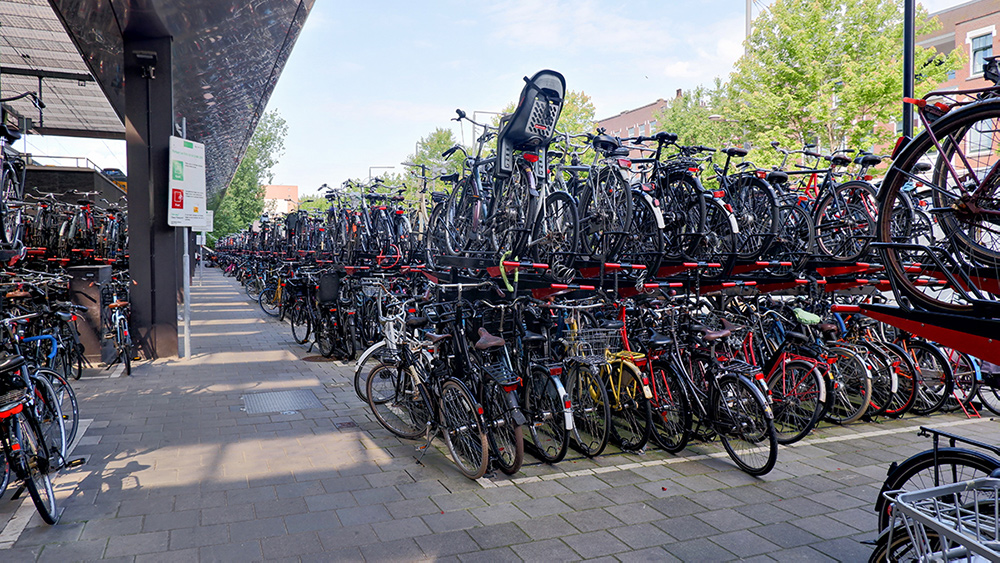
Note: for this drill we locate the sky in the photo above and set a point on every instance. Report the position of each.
(367, 80)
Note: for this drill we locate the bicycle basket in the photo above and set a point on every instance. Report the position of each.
(533, 123)
(952, 522)
(329, 288)
(591, 344)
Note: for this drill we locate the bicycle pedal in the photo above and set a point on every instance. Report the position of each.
(75, 462)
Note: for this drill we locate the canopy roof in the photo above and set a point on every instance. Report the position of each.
(227, 56)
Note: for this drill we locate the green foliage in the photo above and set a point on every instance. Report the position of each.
(428, 154)
(243, 201)
(827, 71)
(313, 203)
(694, 118)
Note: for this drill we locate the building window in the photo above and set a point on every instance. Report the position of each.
(980, 138)
(631, 131)
(652, 126)
(642, 129)
(951, 75)
(981, 47)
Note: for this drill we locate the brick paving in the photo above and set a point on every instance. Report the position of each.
(176, 470)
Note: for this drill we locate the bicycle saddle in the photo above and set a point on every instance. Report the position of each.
(11, 363)
(438, 197)
(532, 337)
(118, 304)
(827, 327)
(435, 338)
(605, 144)
(737, 152)
(487, 340)
(658, 340)
(868, 160)
(17, 294)
(839, 160)
(611, 323)
(450, 178)
(791, 335)
(777, 177)
(921, 167)
(417, 322)
(713, 335)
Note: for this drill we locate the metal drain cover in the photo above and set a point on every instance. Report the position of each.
(280, 401)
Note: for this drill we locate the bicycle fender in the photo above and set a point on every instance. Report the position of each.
(567, 405)
(756, 391)
(656, 210)
(366, 354)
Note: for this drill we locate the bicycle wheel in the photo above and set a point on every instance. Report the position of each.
(547, 424)
(506, 437)
(507, 223)
(935, 378)
(123, 343)
(964, 206)
(794, 241)
(68, 406)
(397, 405)
(925, 470)
(301, 322)
(883, 381)
(797, 391)
(965, 380)
(843, 230)
(556, 231)
(45, 410)
(644, 243)
(682, 203)
(631, 416)
(671, 411)
(756, 212)
(462, 429)
(988, 391)
(591, 413)
(906, 388)
(10, 209)
(270, 301)
(743, 422)
(852, 389)
(35, 468)
(717, 242)
(896, 545)
(605, 215)
(323, 333)
(370, 359)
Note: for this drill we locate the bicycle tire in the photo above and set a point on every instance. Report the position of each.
(852, 392)
(883, 381)
(682, 203)
(631, 416)
(555, 235)
(965, 381)
(918, 472)
(989, 394)
(301, 323)
(10, 215)
(605, 220)
(506, 437)
(375, 355)
(268, 301)
(644, 244)
(797, 390)
(591, 413)
(462, 429)
(962, 232)
(35, 469)
(544, 408)
(906, 388)
(756, 210)
(896, 545)
(323, 333)
(397, 405)
(717, 241)
(671, 410)
(743, 421)
(794, 242)
(845, 221)
(68, 405)
(45, 408)
(935, 378)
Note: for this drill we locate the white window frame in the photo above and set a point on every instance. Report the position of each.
(975, 34)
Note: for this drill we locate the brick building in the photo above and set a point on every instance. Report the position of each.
(634, 122)
(971, 26)
(281, 199)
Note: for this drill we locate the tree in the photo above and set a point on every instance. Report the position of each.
(428, 153)
(828, 71)
(243, 201)
(694, 118)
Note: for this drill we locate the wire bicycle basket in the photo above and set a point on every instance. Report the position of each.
(592, 345)
(957, 522)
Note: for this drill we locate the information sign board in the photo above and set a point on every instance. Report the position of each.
(186, 185)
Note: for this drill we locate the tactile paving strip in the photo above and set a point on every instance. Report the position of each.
(281, 401)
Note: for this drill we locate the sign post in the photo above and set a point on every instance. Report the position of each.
(186, 208)
(205, 228)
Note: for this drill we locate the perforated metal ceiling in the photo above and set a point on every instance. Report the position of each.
(227, 57)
